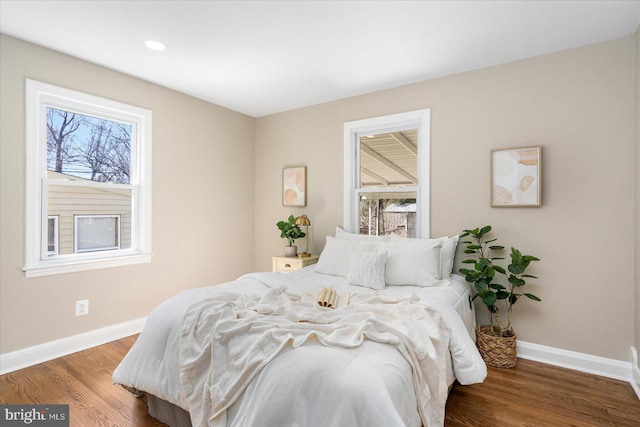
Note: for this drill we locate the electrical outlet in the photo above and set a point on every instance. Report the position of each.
(82, 307)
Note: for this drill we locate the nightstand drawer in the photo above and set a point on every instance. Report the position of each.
(286, 264)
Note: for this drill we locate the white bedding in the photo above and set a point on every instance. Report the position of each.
(371, 383)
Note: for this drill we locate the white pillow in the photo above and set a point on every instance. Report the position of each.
(413, 262)
(447, 252)
(395, 238)
(334, 258)
(367, 269)
(343, 234)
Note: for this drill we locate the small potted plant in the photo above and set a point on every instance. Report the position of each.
(290, 231)
(496, 341)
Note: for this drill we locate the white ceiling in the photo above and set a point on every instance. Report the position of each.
(263, 57)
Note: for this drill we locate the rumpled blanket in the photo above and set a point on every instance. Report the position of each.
(226, 340)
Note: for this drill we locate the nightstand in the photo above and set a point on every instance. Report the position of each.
(285, 264)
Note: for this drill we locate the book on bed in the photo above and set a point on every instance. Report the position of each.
(327, 297)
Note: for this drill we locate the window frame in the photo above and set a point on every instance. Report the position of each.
(39, 96)
(353, 130)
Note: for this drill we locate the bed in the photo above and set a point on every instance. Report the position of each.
(252, 352)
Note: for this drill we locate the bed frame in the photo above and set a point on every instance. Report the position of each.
(167, 412)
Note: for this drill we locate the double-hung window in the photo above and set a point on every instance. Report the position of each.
(52, 235)
(88, 181)
(386, 181)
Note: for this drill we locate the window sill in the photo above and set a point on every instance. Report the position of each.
(48, 268)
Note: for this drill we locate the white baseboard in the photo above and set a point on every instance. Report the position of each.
(30, 356)
(610, 368)
(635, 376)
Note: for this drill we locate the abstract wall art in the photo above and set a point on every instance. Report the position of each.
(294, 186)
(516, 177)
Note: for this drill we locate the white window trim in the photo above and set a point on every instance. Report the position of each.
(75, 233)
(56, 248)
(420, 119)
(38, 96)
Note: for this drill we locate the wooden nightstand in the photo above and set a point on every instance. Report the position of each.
(285, 264)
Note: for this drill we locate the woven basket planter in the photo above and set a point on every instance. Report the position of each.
(496, 351)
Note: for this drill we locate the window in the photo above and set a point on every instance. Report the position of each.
(387, 175)
(52, 235)
(88, 182)
(97, 233)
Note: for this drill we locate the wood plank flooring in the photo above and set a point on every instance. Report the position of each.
(532, 394)
(83, 381)
(537, 394)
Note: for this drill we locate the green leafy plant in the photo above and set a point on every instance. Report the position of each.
(289, 230)
(485, 272)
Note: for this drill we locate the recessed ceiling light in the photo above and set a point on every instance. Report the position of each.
(155, 45)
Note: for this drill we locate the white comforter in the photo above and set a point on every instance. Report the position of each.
(335, 378)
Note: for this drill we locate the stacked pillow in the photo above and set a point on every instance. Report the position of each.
(447, 251)
(335, 257)
(376, 261)
(413, 262)
(367, 269)
(343, 234)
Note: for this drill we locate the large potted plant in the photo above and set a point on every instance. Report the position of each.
(290, 231)
(496, 341)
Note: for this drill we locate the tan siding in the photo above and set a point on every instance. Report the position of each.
(67, 201)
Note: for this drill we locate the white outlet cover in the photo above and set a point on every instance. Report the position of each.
(82, 307)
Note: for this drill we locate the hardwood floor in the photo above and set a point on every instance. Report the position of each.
(83, 381)
(537, 394)
(532, 394)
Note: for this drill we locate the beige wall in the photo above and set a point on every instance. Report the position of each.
(202, 206)
(578, 104)
(637, 186)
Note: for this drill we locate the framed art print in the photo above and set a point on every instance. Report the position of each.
(294, 186)
(516, 177)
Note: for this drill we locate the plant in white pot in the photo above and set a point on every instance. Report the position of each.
(290, 231)
(496, 341)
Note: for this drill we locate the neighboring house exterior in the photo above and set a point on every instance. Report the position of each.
(83, 219)
(384, 216)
